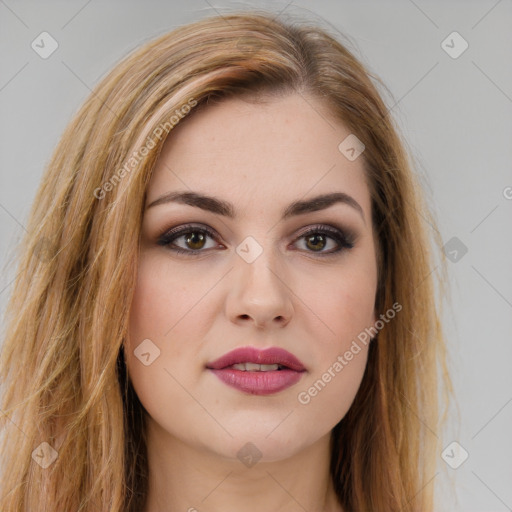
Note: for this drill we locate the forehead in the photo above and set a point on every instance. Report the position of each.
(260, 154)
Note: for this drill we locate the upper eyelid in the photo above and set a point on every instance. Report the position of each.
(203, 227)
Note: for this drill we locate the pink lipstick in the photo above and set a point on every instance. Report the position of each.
(258, 372)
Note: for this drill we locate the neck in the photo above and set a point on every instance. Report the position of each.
(195, 479)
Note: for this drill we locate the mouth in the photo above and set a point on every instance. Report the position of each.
(258, 372)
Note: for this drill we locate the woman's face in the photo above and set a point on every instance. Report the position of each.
(259, 280)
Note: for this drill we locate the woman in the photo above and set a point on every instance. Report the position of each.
(225, 299)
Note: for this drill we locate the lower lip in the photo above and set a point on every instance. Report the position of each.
(258, 383)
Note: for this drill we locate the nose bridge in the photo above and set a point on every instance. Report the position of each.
(260, 291)
(257, 263)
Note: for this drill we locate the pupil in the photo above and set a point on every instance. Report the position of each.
(317, 245)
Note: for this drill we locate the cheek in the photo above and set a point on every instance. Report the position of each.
(342, 305)
(346, 307)
(165, 333)
(330, 389)
(163, 299)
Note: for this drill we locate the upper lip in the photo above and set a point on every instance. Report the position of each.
(272, 355)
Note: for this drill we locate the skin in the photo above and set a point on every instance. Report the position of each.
(260, 158)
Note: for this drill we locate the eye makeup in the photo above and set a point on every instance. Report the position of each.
(321, 234)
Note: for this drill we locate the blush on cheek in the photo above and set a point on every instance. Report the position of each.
(359, 299)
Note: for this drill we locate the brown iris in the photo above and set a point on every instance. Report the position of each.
(315, 238)
(195, 238)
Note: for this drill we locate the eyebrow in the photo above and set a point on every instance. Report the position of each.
(226, 209)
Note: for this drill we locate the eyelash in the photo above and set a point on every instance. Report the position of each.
(345, 240)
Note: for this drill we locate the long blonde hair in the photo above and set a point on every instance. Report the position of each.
(62, 361)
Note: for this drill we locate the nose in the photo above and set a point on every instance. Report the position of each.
(261, 294)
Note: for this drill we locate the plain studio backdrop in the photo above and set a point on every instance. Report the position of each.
(447, 65)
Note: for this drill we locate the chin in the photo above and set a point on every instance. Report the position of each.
(253, 443)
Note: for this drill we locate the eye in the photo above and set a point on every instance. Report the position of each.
(316, 239)
(194, 239)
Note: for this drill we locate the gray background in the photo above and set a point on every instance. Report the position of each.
(455, 114)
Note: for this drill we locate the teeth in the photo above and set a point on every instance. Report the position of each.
(253, 367)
